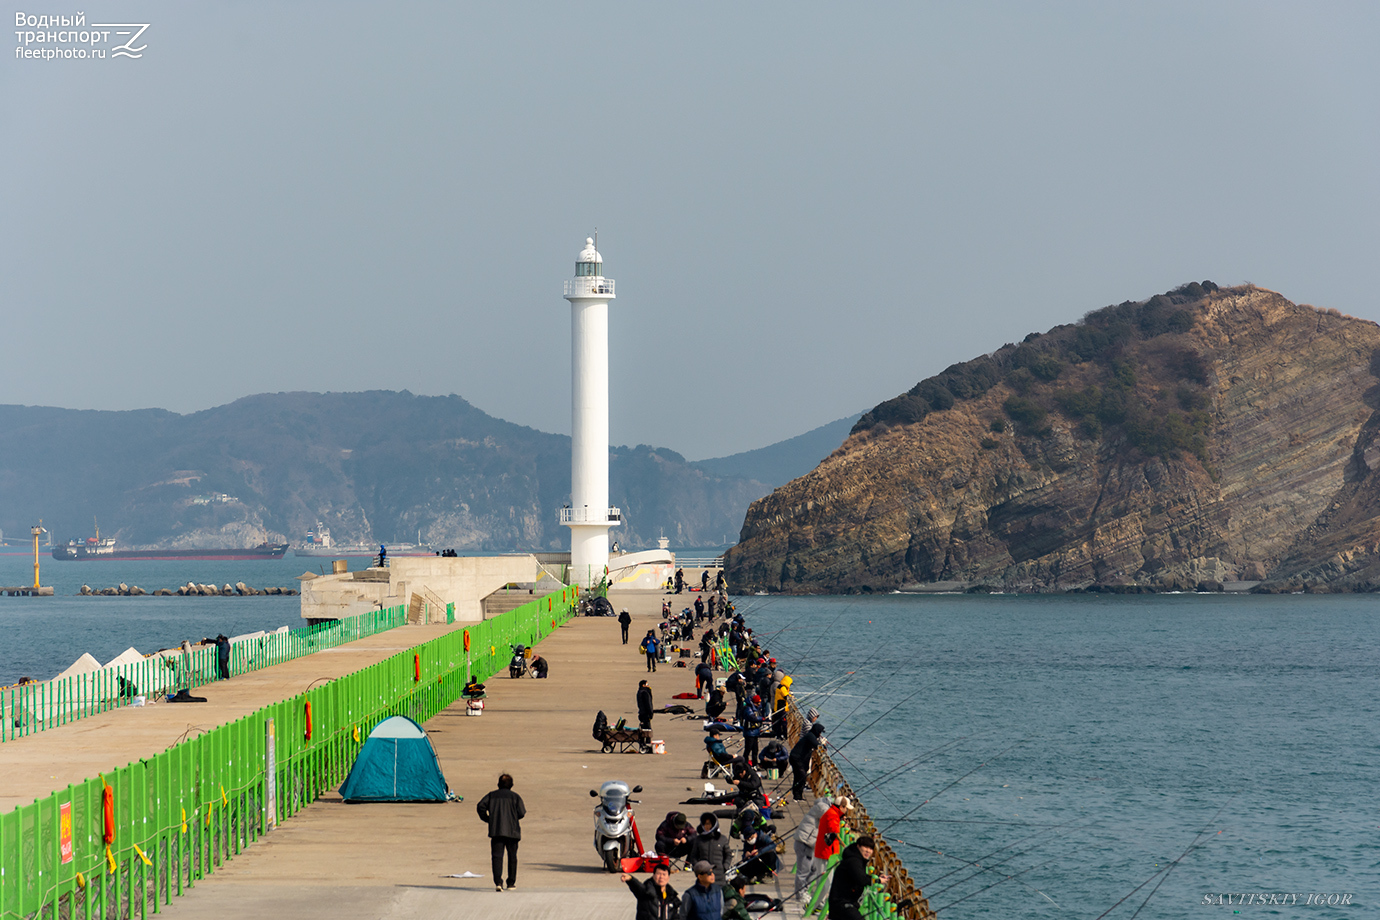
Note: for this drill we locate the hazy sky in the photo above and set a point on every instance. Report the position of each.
(806, 207)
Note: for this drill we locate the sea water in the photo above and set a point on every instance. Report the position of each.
(1074, 747)
(41, 636)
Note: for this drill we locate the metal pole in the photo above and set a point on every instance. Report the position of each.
(37, 531)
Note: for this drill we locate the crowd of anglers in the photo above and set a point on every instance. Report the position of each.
(829, 877)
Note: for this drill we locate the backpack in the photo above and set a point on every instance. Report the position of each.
(601, 725)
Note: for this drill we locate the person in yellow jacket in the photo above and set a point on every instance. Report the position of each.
(778, 707)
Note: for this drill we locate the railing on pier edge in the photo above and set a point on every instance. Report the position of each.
(700, 562)
(180, 814)
(826, 779)
(48, 704)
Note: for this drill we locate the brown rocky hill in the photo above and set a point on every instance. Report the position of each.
(1201, 437)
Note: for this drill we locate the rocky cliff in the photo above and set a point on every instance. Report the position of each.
(1201, 437)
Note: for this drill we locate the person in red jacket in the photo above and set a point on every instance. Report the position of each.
(827, 843)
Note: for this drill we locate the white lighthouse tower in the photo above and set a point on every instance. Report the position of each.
(589, 516)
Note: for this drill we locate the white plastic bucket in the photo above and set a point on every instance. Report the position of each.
(658, 747)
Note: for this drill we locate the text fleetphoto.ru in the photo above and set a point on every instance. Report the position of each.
(71, 38)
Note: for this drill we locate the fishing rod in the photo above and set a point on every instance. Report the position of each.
(783, 629)
(984, 823)
(826, 631)
(838, 684)
(891, 774)
(894, 772)
(1164, 873)
(887, 713)
(961, 859)
(858, 769)
(950, 786)
(993, 885)
(969, 862)
(865, 701)
(810, 695)
(977, 864)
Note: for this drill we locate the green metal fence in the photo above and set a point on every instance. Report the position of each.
(179, 814)
(879, 902)
(39, 706)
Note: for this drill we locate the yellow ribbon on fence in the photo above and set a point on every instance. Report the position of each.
(81, 880)
(208, 815)
(223, 800)
(110, 859)
(147, 861)
(184, 820)
(355, 734)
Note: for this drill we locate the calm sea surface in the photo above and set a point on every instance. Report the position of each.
(1080, 745)
(40, 636)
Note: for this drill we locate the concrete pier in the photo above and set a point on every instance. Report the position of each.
(35, 765)
(364, 862)
(341, 862)
(27, 591)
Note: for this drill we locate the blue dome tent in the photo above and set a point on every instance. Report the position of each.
(396, 764)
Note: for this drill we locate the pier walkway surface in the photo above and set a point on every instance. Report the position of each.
(372, 861)
(35, 765)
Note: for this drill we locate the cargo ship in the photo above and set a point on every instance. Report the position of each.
(319, 543)
(98, 548)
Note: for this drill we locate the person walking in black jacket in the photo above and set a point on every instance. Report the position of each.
(504, 811)
(644, 705)
(625, 620)
(656, 899)
(851, 880)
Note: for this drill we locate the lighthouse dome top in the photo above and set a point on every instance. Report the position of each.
(589, 264)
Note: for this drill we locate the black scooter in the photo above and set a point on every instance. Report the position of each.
(518, 666)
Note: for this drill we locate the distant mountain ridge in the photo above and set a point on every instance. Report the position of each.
(779, 463)
(374, 465)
